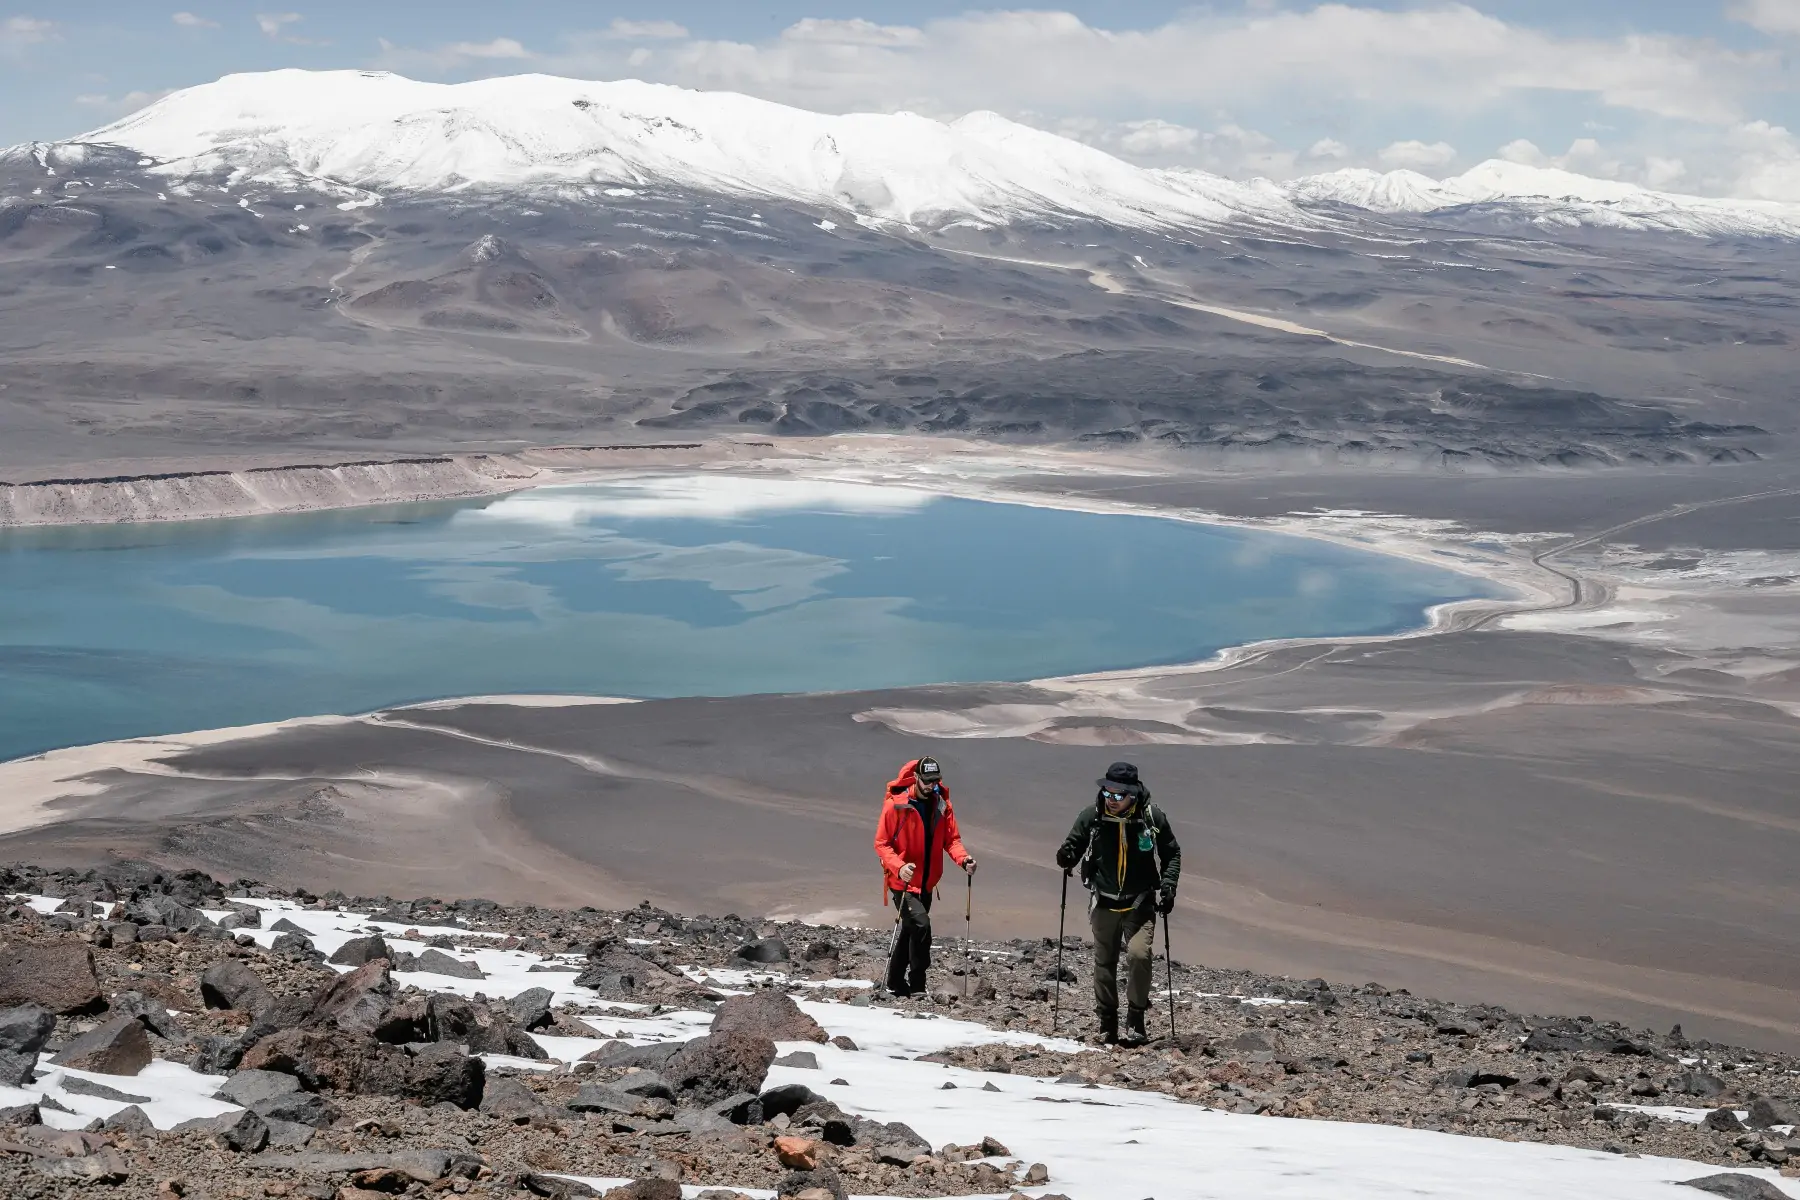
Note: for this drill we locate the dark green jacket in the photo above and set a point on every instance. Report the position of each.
(1119, 855)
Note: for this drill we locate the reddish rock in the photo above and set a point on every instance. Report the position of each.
(58, 975)
(773, 1015)
(119, 1047)
(797, 1153)
(719, 1065)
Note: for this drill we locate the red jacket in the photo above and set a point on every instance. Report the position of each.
(900, 835)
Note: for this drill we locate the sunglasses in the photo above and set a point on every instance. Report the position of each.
(1117, 797)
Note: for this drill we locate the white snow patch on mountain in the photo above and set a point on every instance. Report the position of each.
(1550, 198)
(386, 133)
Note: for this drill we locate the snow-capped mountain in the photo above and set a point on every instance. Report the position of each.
(1548, 197)
(385, 134)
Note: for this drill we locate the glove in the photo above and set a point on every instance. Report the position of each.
(1067, 861)
(1165, 901)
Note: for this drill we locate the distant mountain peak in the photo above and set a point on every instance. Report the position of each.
(373, 133)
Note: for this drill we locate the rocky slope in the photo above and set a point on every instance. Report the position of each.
(169, 1036)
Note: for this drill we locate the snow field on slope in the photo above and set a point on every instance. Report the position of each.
(1099, 1143)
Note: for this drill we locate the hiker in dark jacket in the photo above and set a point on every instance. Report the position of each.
(1130, 863)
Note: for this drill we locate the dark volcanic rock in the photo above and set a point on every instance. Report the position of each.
(531, 1008)
(441, 1073)
(332, 1060)
(510, 1100)
(119, 1047)
(76, 1085)
(23, 1032)
(719, 1065)
(357, 951)
(57, 975)
(151, 1012)
(436, 962)
(769, 1014)
(355, 1002)
(763, 950)
(247, 1089)
(1765, 1113)
(241, 1132)
(232, 985)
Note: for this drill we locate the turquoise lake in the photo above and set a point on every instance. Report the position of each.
(645, 587)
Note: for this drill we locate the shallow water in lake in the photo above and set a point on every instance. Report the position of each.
(705, 585)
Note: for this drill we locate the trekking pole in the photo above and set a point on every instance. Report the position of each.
(1061, 918)
(968, 933)
(1169, 973)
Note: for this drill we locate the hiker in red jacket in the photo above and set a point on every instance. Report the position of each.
(917, 828)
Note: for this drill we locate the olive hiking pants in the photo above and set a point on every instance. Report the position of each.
(1135, 930)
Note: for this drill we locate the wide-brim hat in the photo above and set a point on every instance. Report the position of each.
(1122, 777)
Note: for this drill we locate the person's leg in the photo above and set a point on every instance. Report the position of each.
(901, 951)
(1138, 932)
(1105, 925)
(919, 915)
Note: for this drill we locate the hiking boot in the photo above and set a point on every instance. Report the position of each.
(1135, 1035)
(1109, 1028)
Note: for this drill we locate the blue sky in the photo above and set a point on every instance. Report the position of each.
(1691, 96)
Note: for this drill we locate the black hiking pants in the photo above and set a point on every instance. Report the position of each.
(911, 954)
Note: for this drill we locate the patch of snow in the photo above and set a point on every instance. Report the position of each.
(177, 1093)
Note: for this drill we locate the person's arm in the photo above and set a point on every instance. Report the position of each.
(885, 831)
(1075, 845)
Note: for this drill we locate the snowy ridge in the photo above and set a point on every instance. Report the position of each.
(1550, 198)
(362, 134)
(391, 134)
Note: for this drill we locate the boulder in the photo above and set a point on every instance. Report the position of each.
(355, 1002)
(232, 985)
(167, 912)
(119, 1047)
(509, 1100)
(621, 1054)
(1734, 1186)
(130, 1120)
(283, 925)
(802, 1059)
(242, 1132)
(647, 1084)
(290, 945)
(769, 1014)
(216, 1054)
(603, 1098)
(443, 1074)
(357, 951)
(762, 950)
(797, 1153)
(288, 1135)
(23, 1032)
(297, 1108)
(17, 1070)
(1723, 1120)
(333, 1060)
(247, 1089)
(1697, 1083)
(75, 1085)
(646, 1189)
(787, 1100)
(1767, 1112)
(58, 976)
(531, 1008)
(151, 1012)
(719, 1065)
(820, 1184)
(436, 962)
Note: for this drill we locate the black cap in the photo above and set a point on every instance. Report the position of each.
(928, 770)
(1122, 777)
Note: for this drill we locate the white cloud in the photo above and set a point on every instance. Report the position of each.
(500, 47)
(1770, 16)
(1768, 161)
(1417, 156)
(1525, 151)
(1328, 150)
(18, 32)
(1149, 138)
(273, 23)
(188, 20)
(641, 31)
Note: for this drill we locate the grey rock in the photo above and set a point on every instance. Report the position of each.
(823, 1179)
(531, 1008)
(603, 1098)
(75, 1085)
(1734, 1186)
(26, 1028)
(1697, 1083)
(132, 1120)
(298, 1108)
(17, 1070)
(804, 1059)
(1766, 1112)
(440, 1073)
(246, 1089)
(436, 962)
(647, 1084)
(510, 1100)
(357, 951)
(283, 925)
(58, 976)
(288, 1134)
(20, 1114)
(291, 945)
(242, 1132)
(769, 1014)
(1724, 1120)
(719, 1065)
(151, 1012)
(762, 950)
(232, 985)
